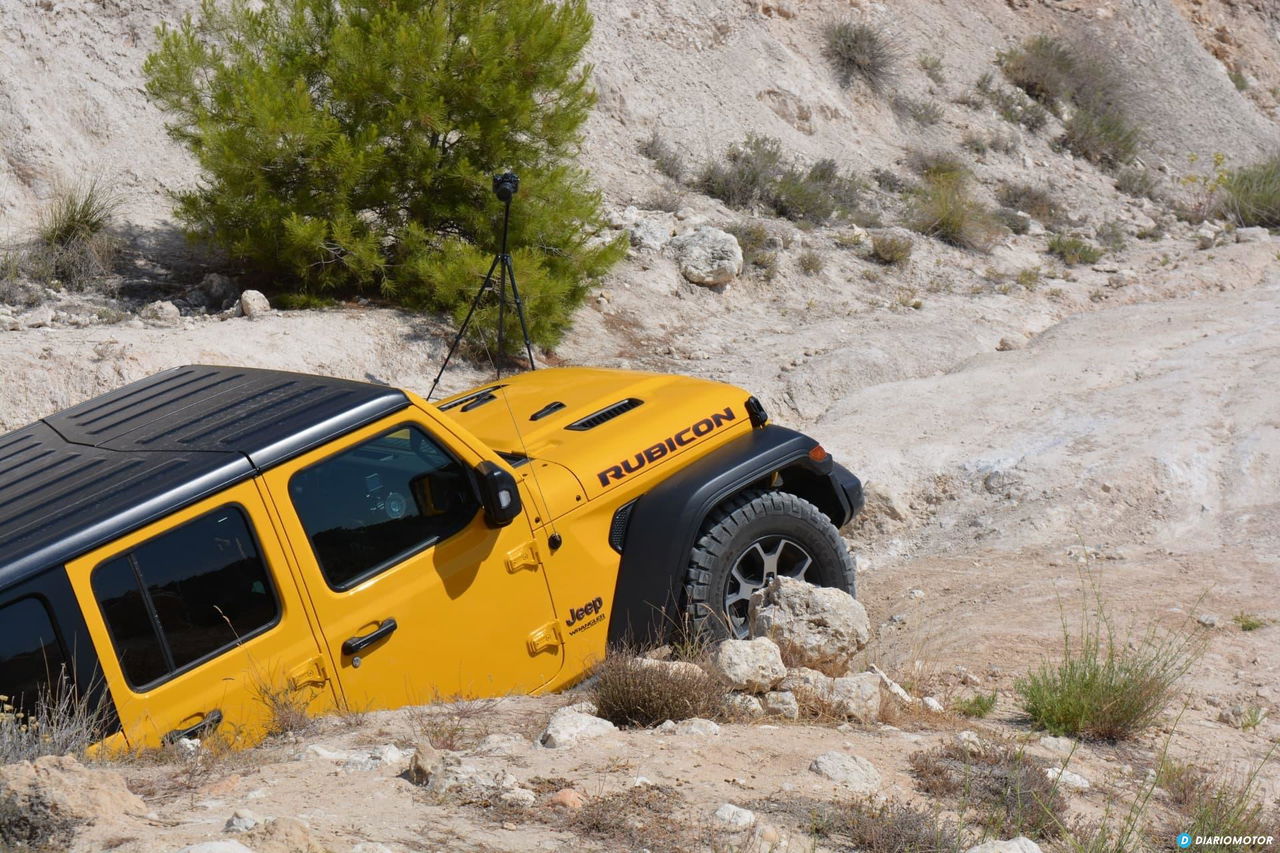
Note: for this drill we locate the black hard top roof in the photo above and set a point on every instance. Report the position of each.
(88, 474)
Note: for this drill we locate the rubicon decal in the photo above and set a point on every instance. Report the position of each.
(688, 435)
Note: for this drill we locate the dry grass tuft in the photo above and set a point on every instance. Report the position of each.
(860, 51)
(633, 691)
(891, 250)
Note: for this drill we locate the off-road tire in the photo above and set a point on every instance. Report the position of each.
(784, 527)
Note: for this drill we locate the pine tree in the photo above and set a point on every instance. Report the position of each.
(349, 145)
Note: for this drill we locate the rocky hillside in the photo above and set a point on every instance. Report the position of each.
(1072, 413)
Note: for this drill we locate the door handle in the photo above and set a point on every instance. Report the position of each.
(208, 723)
(355, 645)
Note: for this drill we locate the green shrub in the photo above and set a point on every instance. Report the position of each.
(1043, 67)
(73, 245)
(1207, 806)
(891, 250)
(1112, 235)
(1138, 182)
(1105, 137)
(632, 691)
(1248, 621)
(977, 705)
(937, 165)
(350, 147)
(77, 213)
(1073, 250)
(889, 181)
(666, 158)
(1107, 687)
(943, 208)
(755, 172)
(757, 246)
(1032, 199)
(1251, 196)
(1016, 221)
(810, 262)
(858, 51)
(1238, 79)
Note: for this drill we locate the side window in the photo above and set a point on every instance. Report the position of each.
(185, 595)
(371, 506)
(32, 664)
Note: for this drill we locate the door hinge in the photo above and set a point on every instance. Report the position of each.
(524, 557)
(310, 673)
(545, 639)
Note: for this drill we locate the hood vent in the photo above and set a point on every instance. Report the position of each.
(608, 413)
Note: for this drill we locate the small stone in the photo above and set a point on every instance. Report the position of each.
(161, 313)
(1068, 779)
(1208, 620)
(187, 746)
(917, 594)
(1255, 234)
(38, 317)
(932, 704)
(668, 727)
(425, 763)
(856, 697)
(969, 742)
(781, 703)
(253, 304)
(754, 666)
(731, 815)
(568, 727)
(851, 771)
(697, 726)
(1206, 237)
(241, 820)
(1060, 745)
(522, 797)
(894, 688)
(1122, 278)
(767, 835)
(641, 782)
(566, 798)
(744, 706)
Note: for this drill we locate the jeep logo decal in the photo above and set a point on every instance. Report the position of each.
(581, 616)
(668, 445)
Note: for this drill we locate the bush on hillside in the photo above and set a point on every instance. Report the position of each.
(859, 51)
(349, 147)
(755, 172)
(1251, 196)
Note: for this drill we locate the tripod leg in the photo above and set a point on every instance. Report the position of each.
(502, 311)
(462, 330)
(515, 295)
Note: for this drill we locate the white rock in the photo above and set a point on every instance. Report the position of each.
(932, 704)
(162, 313)
(1208, 620)
(851, 771)
(743, 705)
(803, 678)
(752, 665)
(895, 689)
(389, 754)
(1060, 745)
(969, 742)
(501, 744)
(781, 703)
(732, 815)
(1206, 236)
(672, 667)
(649, 235)
(316, 750)
(707, 256)
(1256, 234)
(1074, 781)
(697, 726)
(37, 317)
(518, 797)
(917, 594)
(568, 727)
(667, 727)
(1021, 844)
(253, 304)
(817, 627)
(584, 708)
(242, 820)
(187, 746)
(371, 847)
(856, 697)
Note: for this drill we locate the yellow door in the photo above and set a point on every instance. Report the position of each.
(200, 626)
(416, 596)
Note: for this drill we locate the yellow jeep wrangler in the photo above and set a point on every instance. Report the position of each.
(187, 547)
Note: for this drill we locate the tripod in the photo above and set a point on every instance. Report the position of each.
(504, 187)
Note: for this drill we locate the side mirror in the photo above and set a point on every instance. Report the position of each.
(498, 494)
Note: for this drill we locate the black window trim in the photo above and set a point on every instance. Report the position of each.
(68, 662)
(395, 559)
(154, 618)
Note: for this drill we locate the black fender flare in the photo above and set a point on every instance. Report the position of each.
(663, 524)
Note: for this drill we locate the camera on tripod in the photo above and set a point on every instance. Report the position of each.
(505, 185)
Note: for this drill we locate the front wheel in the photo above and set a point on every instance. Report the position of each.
(745, 544)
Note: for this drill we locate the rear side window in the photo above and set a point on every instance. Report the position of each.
(32, 663)
(185, 596)
(372, 506)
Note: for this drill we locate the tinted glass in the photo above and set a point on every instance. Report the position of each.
(369, 507)
(186, 594)
(31, 658)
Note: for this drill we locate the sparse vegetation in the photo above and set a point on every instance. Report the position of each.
(759, 249)
(810, 262)
(755, 172)
(1055, 73)
(1248, 621)
(666, 158)
(922, 112)
(452, 723)
(1238, 80)
(860, 51)
(937, 165)
(977, 705)
(1007, 792)
(1251, 196)
(894, 827)
(1105, 686)
(631, 691)
(34, 825)
(1034, 200)
(932, 67)
(943, 208)
(1112, 235)
(286, 708)
(1210, 806)
(890, 249)
(1138, 182)
(1074, 250)
(56, 722)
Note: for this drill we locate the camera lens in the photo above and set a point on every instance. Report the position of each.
(505, 185)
